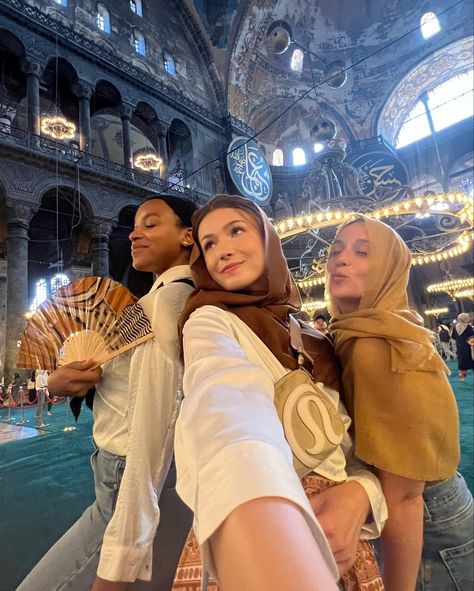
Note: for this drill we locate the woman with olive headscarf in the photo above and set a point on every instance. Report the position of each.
(403, 408)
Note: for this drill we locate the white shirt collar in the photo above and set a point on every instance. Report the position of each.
(172, 274)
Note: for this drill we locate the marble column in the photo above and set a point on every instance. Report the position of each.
(162, 130)
(33, 71)
(18, 220)
(100, 233)
(83, 90)
(126, 113)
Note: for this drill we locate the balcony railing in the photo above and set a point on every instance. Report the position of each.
(67, 153)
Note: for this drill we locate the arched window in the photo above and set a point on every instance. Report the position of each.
(414, 128)
(452, 101)
(278, 159)
(136, 7)
(103, 18)
(297, 58)
(168, 61)
(59, 280)
(299, 157)
(448, 103)
(139, 42)
(429, 25)
(318, 147)
(41, 293)
(61, 2)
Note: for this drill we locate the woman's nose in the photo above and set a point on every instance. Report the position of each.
(341, 259)
(134, 234)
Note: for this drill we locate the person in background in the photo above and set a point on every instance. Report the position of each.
(15, 391)
(462, 332)
(444, 337)
(320, 323)
(41, 384)
(31, 385)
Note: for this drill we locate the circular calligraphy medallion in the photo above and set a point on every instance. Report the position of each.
(381, 170)
(249, 170)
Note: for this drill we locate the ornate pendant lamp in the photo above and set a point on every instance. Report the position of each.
(58, 128)
(148, 161)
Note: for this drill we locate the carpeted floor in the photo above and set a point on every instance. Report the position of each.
(46, 482)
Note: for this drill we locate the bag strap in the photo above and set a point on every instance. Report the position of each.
(186, 280)
(296, 342)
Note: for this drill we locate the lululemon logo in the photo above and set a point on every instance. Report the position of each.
(312, 425)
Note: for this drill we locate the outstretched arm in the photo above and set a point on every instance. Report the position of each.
(235, 471)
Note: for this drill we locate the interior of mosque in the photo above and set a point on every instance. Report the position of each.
(339, 106)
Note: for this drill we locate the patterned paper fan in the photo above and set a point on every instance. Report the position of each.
(91, 318)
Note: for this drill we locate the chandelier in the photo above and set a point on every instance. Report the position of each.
(454, 288)
(58, 127)
(148, 161)
(436, 311)
(312, 305)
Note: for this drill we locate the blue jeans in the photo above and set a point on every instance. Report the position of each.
(448, 547)
(71, 564)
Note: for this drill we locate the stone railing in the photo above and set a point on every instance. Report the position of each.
(63, 152)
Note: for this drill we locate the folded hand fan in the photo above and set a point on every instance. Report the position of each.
(91, 318)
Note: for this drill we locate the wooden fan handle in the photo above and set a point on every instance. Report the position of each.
(110, 356)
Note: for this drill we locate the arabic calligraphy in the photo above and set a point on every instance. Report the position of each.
(380, 170)
(249, 170)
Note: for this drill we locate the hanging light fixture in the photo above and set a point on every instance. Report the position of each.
(148, 161)
(58, 127)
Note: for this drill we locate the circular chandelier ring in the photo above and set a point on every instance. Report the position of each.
(433, 204)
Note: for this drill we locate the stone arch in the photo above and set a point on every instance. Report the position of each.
(59, 238)
(13, 79)
(106, 95)
(58, 98)
(180, 147)
(145, 118)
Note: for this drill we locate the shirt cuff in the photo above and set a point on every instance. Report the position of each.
(118, 563)
(374, 525)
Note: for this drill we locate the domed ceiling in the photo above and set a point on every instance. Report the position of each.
(379, 42)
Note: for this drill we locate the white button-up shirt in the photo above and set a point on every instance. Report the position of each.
(229, 443)
(154, 395)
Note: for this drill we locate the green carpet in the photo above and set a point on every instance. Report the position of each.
(46, 482)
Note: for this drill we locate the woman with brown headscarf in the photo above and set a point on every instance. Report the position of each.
(253, 522)
(397, 393)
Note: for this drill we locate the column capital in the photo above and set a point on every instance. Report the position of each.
(32, 66)
(19, 214)
(126, 110)
(162, 128)
(83, 89)
(101, 229)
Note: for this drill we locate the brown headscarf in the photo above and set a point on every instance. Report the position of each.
(384, 311)
(266, 311)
